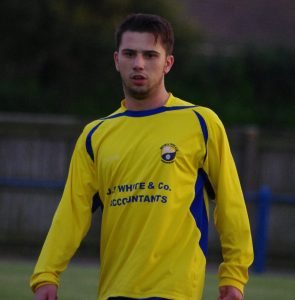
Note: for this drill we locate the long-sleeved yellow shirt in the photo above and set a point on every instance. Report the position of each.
(152, 171)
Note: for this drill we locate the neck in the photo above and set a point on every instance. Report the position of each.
(150, 102)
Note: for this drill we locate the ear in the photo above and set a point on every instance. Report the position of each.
(116, 60)
(169, 63)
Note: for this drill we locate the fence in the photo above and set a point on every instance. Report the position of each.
(34, 159)
(263, 200)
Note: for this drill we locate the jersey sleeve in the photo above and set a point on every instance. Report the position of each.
(72, 218)
(230, 214)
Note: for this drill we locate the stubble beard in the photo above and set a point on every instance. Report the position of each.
(141, 92)
(137, 93)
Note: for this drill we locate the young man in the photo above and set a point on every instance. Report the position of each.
(151, 165)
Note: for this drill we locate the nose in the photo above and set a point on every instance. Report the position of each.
(138, 63)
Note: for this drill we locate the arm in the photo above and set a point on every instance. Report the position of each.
(230, 215)
(71, 220)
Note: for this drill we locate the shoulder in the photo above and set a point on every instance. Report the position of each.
(90, 130)
(205, 115)
(175, 101)
(212, 123)
(92, 126)
(208, 114)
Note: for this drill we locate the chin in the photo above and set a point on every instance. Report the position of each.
(139, 94)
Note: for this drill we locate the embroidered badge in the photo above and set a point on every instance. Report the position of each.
(168, 153)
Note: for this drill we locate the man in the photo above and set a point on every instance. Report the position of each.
(151, 166)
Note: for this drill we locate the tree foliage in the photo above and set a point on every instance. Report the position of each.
(56, 56)
(250, 87)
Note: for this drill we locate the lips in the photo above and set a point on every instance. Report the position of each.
(138, 79)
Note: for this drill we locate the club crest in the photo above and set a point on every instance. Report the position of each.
(168, 153)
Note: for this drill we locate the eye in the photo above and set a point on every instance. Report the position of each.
(128, 53)
(150, 55)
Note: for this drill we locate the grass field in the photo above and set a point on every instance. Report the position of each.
(80, 279)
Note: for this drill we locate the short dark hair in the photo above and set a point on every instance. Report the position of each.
(154, 24)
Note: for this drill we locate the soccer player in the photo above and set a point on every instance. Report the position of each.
(151, 166)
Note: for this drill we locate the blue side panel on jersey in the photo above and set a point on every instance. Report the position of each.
(207, 183)
(198, 210)
(203, 126)
(88, 141)
(145, 113)
(96, 203)
(208, 186)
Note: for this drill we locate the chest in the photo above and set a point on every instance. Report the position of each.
(150, 142)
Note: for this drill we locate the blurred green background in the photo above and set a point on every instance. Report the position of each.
(56, 56)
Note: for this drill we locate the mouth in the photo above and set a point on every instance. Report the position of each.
(138, 79)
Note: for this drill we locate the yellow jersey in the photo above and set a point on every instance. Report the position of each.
(151, 172)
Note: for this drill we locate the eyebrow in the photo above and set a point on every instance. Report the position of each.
(143, 51)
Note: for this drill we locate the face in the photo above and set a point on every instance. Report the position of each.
(142, 64)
